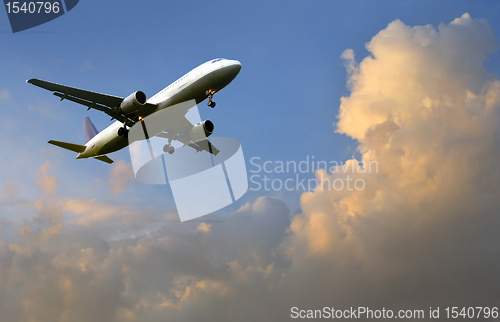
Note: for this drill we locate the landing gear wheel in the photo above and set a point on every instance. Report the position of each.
(123, 132)
(168, 149)
(210, 93)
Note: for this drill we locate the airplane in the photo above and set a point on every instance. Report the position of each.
(199, 84)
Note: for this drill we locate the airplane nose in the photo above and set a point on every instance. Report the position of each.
(235, 67)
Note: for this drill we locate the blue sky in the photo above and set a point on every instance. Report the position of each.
(283, 106)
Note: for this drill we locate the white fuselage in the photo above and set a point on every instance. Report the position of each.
(210, 76)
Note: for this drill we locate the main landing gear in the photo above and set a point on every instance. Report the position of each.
(123, 132)
(167, 148)
(210, 94)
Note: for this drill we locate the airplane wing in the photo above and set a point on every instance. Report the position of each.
(103, 99)
(102, 102)
(180, 132)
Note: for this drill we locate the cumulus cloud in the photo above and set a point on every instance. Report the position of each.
(416, 71)
(423, 231)
(120, 177)
(86, 271)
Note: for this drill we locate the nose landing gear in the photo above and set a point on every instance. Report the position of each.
(210, 94)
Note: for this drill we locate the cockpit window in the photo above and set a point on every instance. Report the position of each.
(216, 60)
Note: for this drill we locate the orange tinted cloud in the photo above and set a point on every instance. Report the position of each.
(46, 182)
(120, 177)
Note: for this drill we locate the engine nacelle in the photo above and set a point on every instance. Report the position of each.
(133, 102)
(202, 130)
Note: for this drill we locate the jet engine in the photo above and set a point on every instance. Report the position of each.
(202, 130)
(133, 102)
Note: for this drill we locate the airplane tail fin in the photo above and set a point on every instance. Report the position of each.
(89, 130)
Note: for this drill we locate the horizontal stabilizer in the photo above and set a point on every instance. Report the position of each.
(69, 146)
(104, 158)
